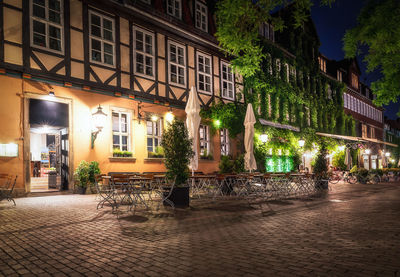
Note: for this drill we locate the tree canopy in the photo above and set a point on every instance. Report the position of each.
(378, 31)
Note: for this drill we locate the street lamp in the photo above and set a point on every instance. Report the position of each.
(264, 138)
(98, 118)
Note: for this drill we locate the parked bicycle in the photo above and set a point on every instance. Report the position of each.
(342, 176)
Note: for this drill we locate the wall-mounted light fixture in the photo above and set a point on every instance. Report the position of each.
(154, 118)
(169, 116)
(98, 119)
(51, 93)
(367, 151)
(264, 138)
(139, 111)
(301, 142)
(387, 154)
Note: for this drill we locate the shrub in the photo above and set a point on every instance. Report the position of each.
(321, 163)
(238, 165)
(226, 165)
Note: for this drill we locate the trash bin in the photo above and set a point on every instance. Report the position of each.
(52, 179)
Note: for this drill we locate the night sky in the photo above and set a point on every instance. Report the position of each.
(331, 24)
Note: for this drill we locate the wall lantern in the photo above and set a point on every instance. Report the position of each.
(217, 123)
(367, 151)
(98, 118)
(301, 142)
(169, 117)
(387, 154)
(51, 93)
(154, 118)
(264, 138)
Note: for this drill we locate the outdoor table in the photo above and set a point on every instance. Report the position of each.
(200, 183)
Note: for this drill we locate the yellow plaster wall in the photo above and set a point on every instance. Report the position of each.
(76, 13)
(12, 21)
(15, 3)
(125, 80)
(11, 128)
(124, 30)
(77, 45)
(12, 54)
(102, 73)
(77, 70)
(161, 90)
(146, 84)
(216, 65)
(49, 61)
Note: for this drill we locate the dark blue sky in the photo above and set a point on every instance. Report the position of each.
(331, 24)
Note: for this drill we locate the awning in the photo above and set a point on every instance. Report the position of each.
(278, 125)
(340, 137)
(356, 139)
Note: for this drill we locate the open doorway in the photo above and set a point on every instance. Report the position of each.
(48, 122)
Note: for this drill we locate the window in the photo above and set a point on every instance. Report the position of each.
(322, 64)
(121, 130)
(204, 140)
(177, 63)
(354, 80)
(204, 78)
(144, 52)
(372, 132)
(101, 37)
(364, 130)
(339, 76)
(201, 16)
(329, 92)
(269, 60)
(292, 73)
(345, 100)
(174, 8)
(278, 67)
(287, 72)
(47, 24)
(146, 1)
(227, 81)
(154, 132)
(224, 135)
(267, 30)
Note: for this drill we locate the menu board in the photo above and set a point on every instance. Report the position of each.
(9, 150)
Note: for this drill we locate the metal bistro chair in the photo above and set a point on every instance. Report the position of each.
(104, 191)
(163, 189)
(122, 190)
(7, 191)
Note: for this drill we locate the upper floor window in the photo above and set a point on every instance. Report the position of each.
(287, 72)
(278, 67)
(204, 78)
(354, 80)
(177, 63)
(146, 1)
(224, 135)
(154, 133)
(292, 73)
(267, 30)
(329, 92)
(205, 142)
(201, 16)
(121, 130)
(227, 81)
(47, 24)
(174, 8)
(322, 64)
(339, 76)
(144, 52)
(101, 37)
(364, 130)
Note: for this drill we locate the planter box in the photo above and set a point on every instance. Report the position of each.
(179, 196)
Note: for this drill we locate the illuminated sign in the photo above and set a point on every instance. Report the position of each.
(9, 150)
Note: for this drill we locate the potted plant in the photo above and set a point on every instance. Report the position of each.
(178, 152)
(117, 152)
(158, 152)
(93, 171)
(82, 177)
(321, 168)
(206, 156)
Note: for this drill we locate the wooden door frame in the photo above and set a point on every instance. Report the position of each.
(27, 97)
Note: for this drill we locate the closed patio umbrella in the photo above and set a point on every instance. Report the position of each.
(192, 123)
(249, 121)
(348, 159)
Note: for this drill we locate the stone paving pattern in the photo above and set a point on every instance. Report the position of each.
(352, 231)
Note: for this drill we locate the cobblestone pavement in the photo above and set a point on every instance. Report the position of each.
(353, 231)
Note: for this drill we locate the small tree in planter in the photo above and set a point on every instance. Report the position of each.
(321, 168)
(85, 175)
(178, 152)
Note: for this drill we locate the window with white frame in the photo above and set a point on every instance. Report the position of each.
(205, 142)
(204, 77)
(177, 63)
(287, 72)
(225, 148)
(293, 72)
(329, 92)
(278, 67)
(144, 52)
(345, 100)
(267, 30)
(121, 130)
(101, 38)
(47, 24)
(154, 133)
(174, 8)
(227, 81)
(322, 64)
(201, 16)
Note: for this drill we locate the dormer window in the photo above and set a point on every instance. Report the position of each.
(201, 16)
(174, 8)
(322, 64)
(354, 80)
(267, 30)
(339, 76)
